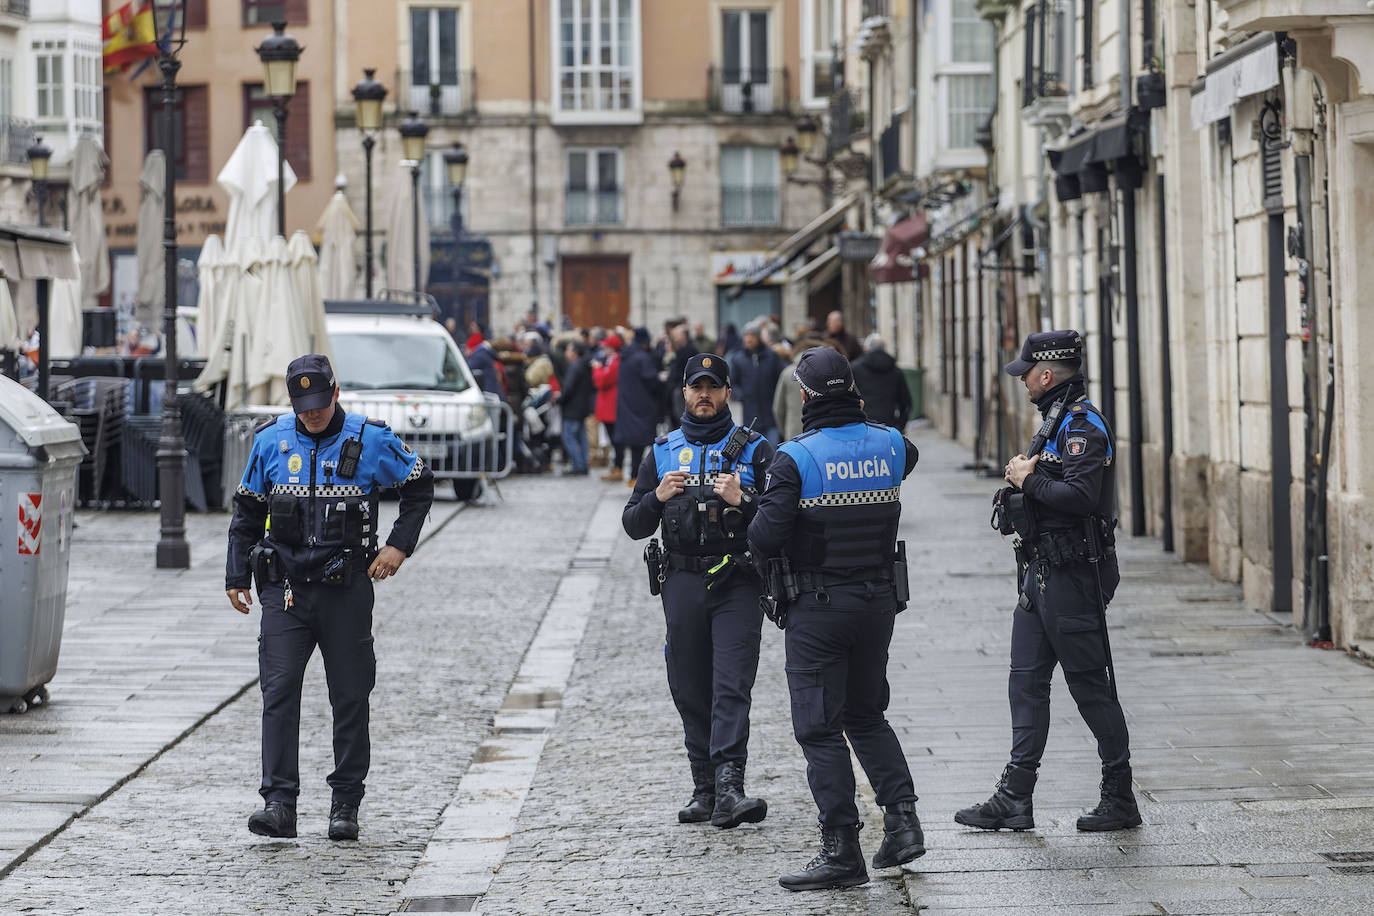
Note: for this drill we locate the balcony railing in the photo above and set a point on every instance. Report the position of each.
(749, 205)
(1047, 44)
(594, 208)
(748, 91)
(890, 150)
(441, 93)
(16, 136)
(15, 7)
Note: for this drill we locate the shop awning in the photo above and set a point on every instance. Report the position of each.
(1080, 165)
(817, 264)
(801, 240)
(893, 263)
(1250, 67)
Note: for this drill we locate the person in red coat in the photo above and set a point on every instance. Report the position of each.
(606, 378)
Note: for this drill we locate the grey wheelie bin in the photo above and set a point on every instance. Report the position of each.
(40, 453)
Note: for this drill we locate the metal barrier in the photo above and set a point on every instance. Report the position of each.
(459, 441)
(239, 429)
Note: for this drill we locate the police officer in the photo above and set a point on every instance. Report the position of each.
(313, 483)
(1067, 562)
(831, 506)
(698, 484)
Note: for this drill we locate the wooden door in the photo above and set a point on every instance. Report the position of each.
(596, 291)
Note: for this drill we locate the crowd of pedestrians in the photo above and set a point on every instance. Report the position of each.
(600, 396)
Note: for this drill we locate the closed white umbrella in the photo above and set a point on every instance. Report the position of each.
(209, 301)
(400, 236)
(64, 315)
(338, 227)
(250, 180)
(305, 274)
(279, 331)
(87, 220)
(9, 321)
(152, 283)
(240, 293)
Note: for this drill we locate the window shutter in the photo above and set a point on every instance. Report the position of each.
(298, 131)
(297, 12)
(196, 118)
(195, 14)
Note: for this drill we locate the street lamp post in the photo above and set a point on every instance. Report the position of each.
(279, 53)
(456, 165)
(39, 156)
(173, 552)
(413, 133)
(677, 173)
(368, 96)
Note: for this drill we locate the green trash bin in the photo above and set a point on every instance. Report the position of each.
(39, 456)
(916, 384)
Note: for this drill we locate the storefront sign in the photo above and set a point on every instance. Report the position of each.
(730, 268)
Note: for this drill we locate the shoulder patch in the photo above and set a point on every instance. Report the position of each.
(1076, 408)
(373, 421)
(267, 425)
(1076, 445)
(660, 440)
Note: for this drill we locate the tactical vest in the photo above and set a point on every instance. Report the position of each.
(697, 522)
(851, 481)
(1051, 464)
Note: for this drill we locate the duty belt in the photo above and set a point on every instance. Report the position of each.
(811, 580)
(691, 563)
(1061, 549)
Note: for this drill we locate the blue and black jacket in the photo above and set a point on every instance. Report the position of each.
(1075, 476)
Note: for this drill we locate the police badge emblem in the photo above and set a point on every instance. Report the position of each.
(293, 464)
(1076, 445)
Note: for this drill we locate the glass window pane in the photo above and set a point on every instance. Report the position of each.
(448, 47)
(42, 69)
(577, 169)
(419, 47)
(758, 47)
(731, 62)
(606, 170)
(732, 166)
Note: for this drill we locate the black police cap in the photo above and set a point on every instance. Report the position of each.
(706, 365)
(1046, 346)
(823, 371)
(310, 382)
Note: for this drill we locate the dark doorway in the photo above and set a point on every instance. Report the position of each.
(596, 291)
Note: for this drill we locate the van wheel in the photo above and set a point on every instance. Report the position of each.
(467, 490)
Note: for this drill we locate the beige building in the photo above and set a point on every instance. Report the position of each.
(570, 113)
(220, 96)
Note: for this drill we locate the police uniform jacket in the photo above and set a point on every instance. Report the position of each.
(831, 502)
(687, 529)
(294, 479)
(1074, 477)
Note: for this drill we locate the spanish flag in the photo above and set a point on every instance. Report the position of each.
(130, 35)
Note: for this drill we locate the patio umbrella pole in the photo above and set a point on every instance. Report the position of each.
(173, 552)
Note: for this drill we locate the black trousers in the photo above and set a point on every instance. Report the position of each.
(837, 653)
(338, 620)
(712, 653)
(1058, 621)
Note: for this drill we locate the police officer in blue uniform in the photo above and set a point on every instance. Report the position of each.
(1068, 573)
(698, 485)
(305, 526)
(831, 505)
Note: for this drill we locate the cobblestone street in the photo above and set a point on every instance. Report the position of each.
(524, 623)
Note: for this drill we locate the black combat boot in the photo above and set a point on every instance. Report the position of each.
(276, 819)
(343, 821)
(1117, 809)
(840, 863)
(733, 807)
(703, 800)
(902, 836)
(1010, 806)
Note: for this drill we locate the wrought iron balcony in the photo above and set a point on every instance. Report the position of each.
(15, 7)
(1045, 82)
(748, 91)
(16, 136)
(586, 207)
(749, 205)
(437, 92)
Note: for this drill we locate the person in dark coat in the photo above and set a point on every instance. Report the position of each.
(682, 348)
(639, 398)
(882, 385)
(755, 369)
(484, 365)
(837, 335)
(729, 340)
(576, 401)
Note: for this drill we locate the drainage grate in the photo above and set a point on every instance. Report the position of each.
(462, 904)
(1353, 869)
(1347, 856)
(1189, 653)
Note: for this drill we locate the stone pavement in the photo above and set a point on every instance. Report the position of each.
(1252, 753)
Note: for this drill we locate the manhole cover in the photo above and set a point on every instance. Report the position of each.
(1347, 856)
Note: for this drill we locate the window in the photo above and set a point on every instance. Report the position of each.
(6, 87)
(194, 10)
(746, 80)
(87, 90)
(749, 185)
(264, 12)
(967, 106)
(190, 141)
(434, 66)
(596, 56)
(820, 47)
(49, 67)
(257, 106)
(971, 33)
(595, 180)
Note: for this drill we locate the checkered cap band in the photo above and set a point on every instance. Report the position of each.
(857, 498)
(1041, 356)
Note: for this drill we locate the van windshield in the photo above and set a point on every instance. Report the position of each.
(365, 362)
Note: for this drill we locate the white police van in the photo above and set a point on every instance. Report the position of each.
(395, 363)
